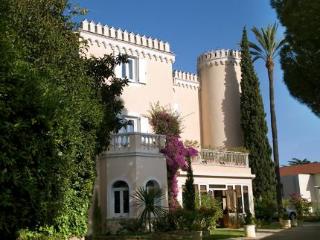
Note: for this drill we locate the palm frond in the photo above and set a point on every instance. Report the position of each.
(267, 47)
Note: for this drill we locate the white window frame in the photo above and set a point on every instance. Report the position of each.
(125, 69)
(122, 214)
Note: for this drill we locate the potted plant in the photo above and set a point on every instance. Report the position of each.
(249, 227)
(285, 222)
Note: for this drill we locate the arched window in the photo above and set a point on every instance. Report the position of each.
(152, 185)
(120, 190)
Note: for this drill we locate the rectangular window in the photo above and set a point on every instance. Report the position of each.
(117, 201)
(129, 70)
(217, 186)
(125, 201)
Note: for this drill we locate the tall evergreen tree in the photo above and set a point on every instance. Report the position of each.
(254, 127)
(189, 194)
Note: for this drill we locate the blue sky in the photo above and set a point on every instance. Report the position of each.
(192, 27)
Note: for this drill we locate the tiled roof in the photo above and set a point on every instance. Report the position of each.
(310, 168)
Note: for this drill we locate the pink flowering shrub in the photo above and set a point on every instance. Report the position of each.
(166, 122)
(302, 205)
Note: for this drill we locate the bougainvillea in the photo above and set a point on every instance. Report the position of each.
(165, 121)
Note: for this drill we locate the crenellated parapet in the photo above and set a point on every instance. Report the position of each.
(122, 41)
(185, 80)
(219, 57)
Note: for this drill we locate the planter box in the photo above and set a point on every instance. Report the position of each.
(285, 224)
(250, 230)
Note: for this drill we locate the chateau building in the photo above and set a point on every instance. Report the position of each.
(209, 104)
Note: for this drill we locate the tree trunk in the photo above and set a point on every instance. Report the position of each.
(275, 137)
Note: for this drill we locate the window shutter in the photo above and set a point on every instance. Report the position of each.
(117, 71)
(142, 71)
(144, 124)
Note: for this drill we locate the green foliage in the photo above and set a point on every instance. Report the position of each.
(189, 193)
(182, 219)
(249, 219)
(51, 110)
(97, 223)
(148, 201)
(254, 126)
(265, 208)
(300, 55)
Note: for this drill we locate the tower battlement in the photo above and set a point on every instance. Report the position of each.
(218, 56)
(124, 35)
(185, 79)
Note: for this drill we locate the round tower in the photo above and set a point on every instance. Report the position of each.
(220, 74)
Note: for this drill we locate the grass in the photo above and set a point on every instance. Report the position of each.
(224, 233)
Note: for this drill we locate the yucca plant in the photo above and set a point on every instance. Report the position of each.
(267, 49)
(148, 201)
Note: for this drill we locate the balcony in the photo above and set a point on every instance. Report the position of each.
(132, 143)
(136, 142)
(223, 158)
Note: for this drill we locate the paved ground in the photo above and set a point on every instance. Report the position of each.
(309, 231)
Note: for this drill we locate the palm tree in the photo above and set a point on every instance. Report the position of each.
(148, 201)
(297, 161)
(267, 49)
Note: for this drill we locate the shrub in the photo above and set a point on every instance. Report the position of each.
(249, 219)
(265, 209)
(302, 205)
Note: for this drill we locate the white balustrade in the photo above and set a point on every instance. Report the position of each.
(224, 158)
(136, 142)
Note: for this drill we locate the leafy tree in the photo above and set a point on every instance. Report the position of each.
(149, 202)
(297, 161)
(300, 56)
(254, 127)
(266, 50)
(52, 108)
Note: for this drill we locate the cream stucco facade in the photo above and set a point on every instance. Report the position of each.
(208, 103)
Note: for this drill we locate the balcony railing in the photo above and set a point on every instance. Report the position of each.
(136, 142)
(223, 158)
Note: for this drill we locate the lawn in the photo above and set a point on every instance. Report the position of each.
(224, 233)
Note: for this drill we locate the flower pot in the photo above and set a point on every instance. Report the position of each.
(250, 230)
(294, 223)
(285, 224)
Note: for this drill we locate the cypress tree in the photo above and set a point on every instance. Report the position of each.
(255, 128)
(189, 194)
